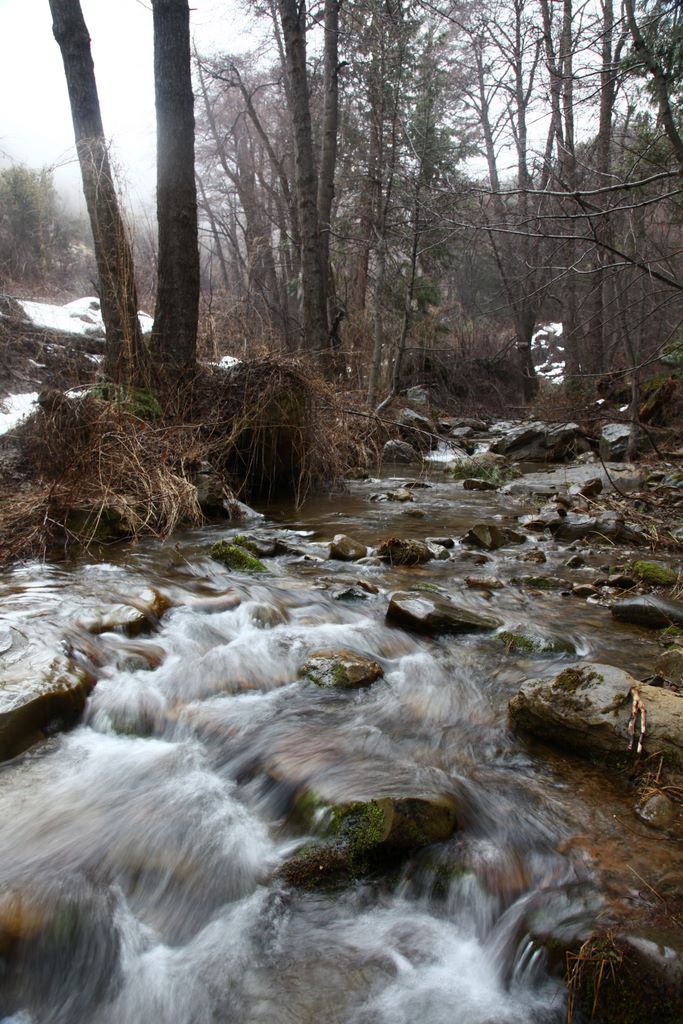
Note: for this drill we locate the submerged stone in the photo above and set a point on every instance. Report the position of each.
(432, 614)
(490, 537)
(526, 642)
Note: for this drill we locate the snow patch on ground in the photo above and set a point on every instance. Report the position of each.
(83, 316)
(14, 409)
(228, 361)
(544, 343)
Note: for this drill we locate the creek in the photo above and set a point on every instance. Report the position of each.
(141, 848)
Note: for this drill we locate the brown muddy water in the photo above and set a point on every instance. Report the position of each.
(140, 850)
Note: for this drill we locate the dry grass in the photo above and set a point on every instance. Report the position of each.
(84, 468)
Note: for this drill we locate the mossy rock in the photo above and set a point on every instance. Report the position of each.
(138, 402)
(235, 557)
(519, 642)
(539, 582)
(342, 670)
(654, 574)
(371, 834)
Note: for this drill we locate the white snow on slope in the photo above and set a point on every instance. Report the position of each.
(15, 408)
(82, 316)
(544, 340)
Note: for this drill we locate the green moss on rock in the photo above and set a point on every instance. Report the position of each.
(654, 574)
(525, 643)
(235, 557)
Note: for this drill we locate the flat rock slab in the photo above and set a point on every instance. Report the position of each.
(433, 615)
(587, 708)
(342, 670)
(649, 610)
(39, 691)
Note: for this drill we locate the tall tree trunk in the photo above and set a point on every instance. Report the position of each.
(124, 350)
(328, 156)
(313, 274)
(174, 337)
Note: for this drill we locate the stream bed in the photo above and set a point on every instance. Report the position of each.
(140, 852)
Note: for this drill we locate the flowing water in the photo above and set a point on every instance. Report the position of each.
(140, 850)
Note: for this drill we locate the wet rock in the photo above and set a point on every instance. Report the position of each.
(608, 526)
(431, 614)
(658, 811)
(575, 562)
(655, 574)
(539, 582)
(416, 430)
(614, 441)
(539, 442)
(525, 641)
(590, 489)
(587, 708)
(474, 484)
(261, 547)
(616, 581)
(640, 977)
(483, 583)
(585, 590)
(649, 610)
(460, 433)
(236, 558)
(354, 592)
(400, 551)
(267, 616)
(40, 692)
(442, 542)
(399, 494)
(346, 549)
(669, 665)
(134, 616)
(536, 556)
(491, 537)
(371, 834)
(343, 670)
(399, 451)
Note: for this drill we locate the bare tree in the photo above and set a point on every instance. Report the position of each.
(124, 352)
(174, 337)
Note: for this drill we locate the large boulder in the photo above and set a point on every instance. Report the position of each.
(588, 707)
(649, 610)
(40, 691)
(539, 442)
(400, 451)
(416, 430)
(433, 615)
(614, 439)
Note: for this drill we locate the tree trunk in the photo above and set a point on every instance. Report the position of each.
(328, 157)
(174, 337)
(313, 274)
(124, 350)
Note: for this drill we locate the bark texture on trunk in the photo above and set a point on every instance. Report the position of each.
(124, 360)
(174, 338)
(313, 276)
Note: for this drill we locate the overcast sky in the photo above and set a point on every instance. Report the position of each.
(35, 118)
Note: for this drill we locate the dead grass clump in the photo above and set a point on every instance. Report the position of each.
(91, 470)
(274, 428)
(103, 465)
